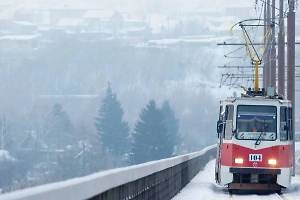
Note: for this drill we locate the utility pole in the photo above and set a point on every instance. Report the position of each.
(273, 50)
(268, 53)
(281, 52)
(291, 67)
(265, 41)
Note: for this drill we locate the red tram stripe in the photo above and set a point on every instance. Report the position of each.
(281, 153)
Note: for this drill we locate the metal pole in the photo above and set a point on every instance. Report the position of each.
(268, 67)
(291, 67)
(268, 53)
(266, 58)
(273, 51)
(281, 52)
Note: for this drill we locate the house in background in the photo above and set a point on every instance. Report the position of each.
(24, 42)
(104, 21)
(219, 26)
(70, 24)
(17, 27)
(6, 4)
(6, 9)
(161, 24)
(58, 13)
(240, 9)
(134, 25)
(32, 142)
(19, 46)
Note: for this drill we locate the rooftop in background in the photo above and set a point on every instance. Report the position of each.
(7, 2)
(83, 96)
(19, 37)
(99, 14)
(69, 22)
(24, 23)
(63, 4)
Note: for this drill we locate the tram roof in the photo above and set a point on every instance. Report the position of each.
(256, 98)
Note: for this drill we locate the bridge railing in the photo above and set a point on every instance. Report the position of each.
(161, 179)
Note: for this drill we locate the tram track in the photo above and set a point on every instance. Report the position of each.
(281, 196)
(274, 196)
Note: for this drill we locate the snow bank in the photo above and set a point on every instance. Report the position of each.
(4, 155)
(89, 186)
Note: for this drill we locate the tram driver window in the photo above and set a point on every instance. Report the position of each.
(283, 123)
(256, 121)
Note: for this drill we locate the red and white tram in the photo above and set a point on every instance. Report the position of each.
(255, 142)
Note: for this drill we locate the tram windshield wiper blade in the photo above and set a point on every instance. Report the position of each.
(259, 139)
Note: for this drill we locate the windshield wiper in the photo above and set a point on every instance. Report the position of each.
(259, 139)
(263, 132)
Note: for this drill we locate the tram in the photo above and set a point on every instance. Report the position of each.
(255, 148)
(255, 142)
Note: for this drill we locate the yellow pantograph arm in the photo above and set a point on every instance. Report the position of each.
(231, 30)
(267, 35)
(247, 43)
(244, 88)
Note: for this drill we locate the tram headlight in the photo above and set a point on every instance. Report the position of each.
(239, 160)
(272, 162)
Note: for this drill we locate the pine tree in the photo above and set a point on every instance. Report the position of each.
(62, 132)
(151, 140)
(113, 131)
(172, 124)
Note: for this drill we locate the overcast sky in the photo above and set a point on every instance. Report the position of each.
(183, 5)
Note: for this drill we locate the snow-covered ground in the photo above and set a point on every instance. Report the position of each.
(203, 187)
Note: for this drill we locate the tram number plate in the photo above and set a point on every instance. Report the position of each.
(255, 157)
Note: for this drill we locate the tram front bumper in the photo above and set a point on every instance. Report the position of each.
(254, 170)
(252, 186)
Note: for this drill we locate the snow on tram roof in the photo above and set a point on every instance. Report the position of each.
(256, 98)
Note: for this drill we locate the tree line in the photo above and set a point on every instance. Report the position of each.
(57, 150)
(155, 134)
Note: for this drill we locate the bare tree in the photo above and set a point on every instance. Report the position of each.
(6, 138)
(40, 120)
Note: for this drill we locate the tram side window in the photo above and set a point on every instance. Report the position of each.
(229, 112)
(228, 116)
(283, 123)
(290, 123)
(220, 121)
(220, 113)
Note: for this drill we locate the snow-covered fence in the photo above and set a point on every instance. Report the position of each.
(161, 179)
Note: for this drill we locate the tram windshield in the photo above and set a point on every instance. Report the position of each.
(252, 120)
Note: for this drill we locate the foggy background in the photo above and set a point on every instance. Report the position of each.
(57, 56)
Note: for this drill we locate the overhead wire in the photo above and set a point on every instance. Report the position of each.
(274, 57)
(269, 46)
(254, 29)
(226, 55)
